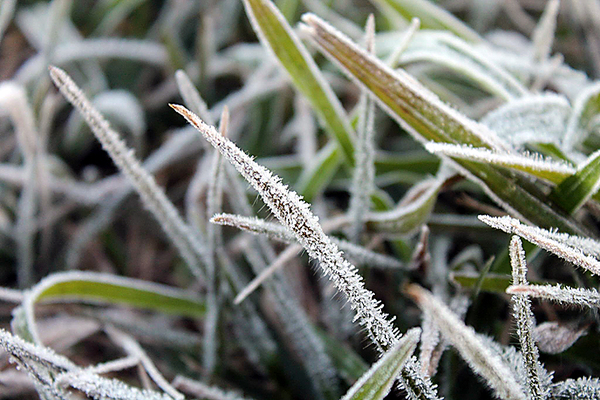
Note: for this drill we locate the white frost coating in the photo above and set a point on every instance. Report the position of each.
(101, 388)
(543, 36)
(295, 214)
(537, 118)
(525, 322)
(478, 355)
(387, 367)
(153, 197)
(32, 296)
(552, 242)
(518, 161)
(560, 294)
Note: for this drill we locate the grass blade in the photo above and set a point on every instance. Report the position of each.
(377, 382)
(431, 16)
(191, 249)
(97, 288)
(574, 191)
(278, 36)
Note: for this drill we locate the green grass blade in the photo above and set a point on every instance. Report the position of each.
(326, 163)
(575, 190)
(376, 383)
(98, 288)
(431, 16)
(411, 212)
(424, 116)
(275, 33)
(349, 364)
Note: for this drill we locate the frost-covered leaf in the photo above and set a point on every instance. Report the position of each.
(561, 244)
(442, 49)
(586, 388)
(543, 36)
(539, 118)
(478, 355)
(275, 231)
(525, 322)
(376, 383)
(554, 337)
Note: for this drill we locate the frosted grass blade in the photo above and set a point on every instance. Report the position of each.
(98, 288)
(563, 245)
(559, 294)
(531, 164)
(278, 36)
(295, 214)
(377, 382)
(476, 353)
(525, 321)
(153, 197)
(431, 16)
(424, 115)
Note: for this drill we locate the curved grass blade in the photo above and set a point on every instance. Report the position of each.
(97, 288)
(276, 34)
(574, 191)
(424, 116)
(377, 382)
(431, 16)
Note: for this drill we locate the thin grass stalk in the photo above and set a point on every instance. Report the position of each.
(152, 195)
(525, 322)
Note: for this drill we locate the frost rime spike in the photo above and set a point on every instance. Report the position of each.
(295, 214)
(525, 321)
